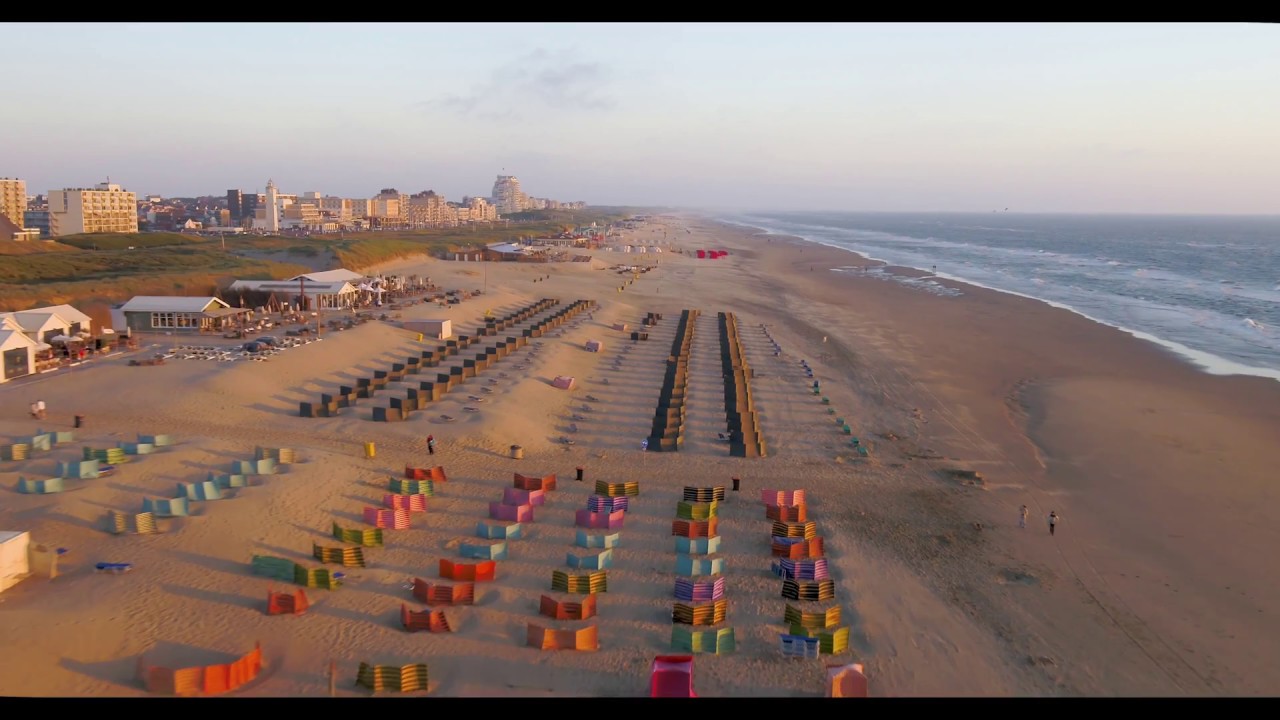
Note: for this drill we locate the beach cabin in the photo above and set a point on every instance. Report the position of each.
(14, 562)
(436, 329)
(168, 313)
(19, 354)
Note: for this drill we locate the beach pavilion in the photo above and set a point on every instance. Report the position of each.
(166, 313)
(41, 326)
(329, 295)
(17, 353)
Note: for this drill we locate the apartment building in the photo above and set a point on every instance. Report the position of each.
(480, 209)
(13, 199)
(507, 195)
(105, 207)
(13, 210)
(390, 209)
(340, 209)
(428, 209)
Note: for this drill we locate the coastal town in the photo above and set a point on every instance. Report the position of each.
(800, 361)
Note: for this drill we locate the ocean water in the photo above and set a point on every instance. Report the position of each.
(1207, 288)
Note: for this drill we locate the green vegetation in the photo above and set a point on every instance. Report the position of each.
(98, 269)
(124, 241)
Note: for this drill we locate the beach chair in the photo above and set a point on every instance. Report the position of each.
(672, 676)
(114, 568)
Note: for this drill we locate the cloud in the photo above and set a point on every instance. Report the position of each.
(537, 81)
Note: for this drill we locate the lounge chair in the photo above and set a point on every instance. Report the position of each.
(115, 568)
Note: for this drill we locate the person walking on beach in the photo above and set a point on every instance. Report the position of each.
(1022, 517)
(39, 409)
(431, 444)
(1053, 521)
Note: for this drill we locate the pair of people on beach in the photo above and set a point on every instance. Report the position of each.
(37, 409)
(1053, 519)
(431, 444)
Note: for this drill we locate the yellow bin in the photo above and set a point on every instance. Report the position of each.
(419, 337)
(369, 450)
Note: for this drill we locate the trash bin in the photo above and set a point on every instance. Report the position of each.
(369, 450)
(736, 483)
(517, 452)
(79, 421)
(580, 471)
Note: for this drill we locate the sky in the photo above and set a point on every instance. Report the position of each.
(1076, 118)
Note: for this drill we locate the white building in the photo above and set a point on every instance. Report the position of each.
(268, 216)
(36, 322)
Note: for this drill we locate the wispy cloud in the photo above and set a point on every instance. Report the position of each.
(537, 81)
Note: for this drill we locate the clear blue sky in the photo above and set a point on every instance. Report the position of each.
(1144, 118)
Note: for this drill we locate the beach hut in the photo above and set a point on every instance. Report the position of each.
(594, 346)
(18, 353)
(14, 563)
(436, 329)
(563, 382)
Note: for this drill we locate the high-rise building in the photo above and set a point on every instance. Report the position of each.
(235, 205)
(106, 207)
(507, 196)
(13, 199)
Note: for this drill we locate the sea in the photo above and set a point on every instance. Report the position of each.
(1205, 287)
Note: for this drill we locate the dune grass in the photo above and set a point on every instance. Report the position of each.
(100, 268)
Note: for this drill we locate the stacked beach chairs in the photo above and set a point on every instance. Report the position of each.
(444, 380)
(745, 439)
(812, 618)
(330, 404)
(700, 610)
(575, 591)
(667, 434)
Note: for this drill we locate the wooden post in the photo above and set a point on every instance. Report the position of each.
(333, 678)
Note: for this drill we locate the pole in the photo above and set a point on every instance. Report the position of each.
(333, 678)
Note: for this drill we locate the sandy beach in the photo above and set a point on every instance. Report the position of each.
(1157, 581)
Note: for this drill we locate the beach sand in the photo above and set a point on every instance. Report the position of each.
(1157, 582)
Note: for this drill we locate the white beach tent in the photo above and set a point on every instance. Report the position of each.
(14, 565)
